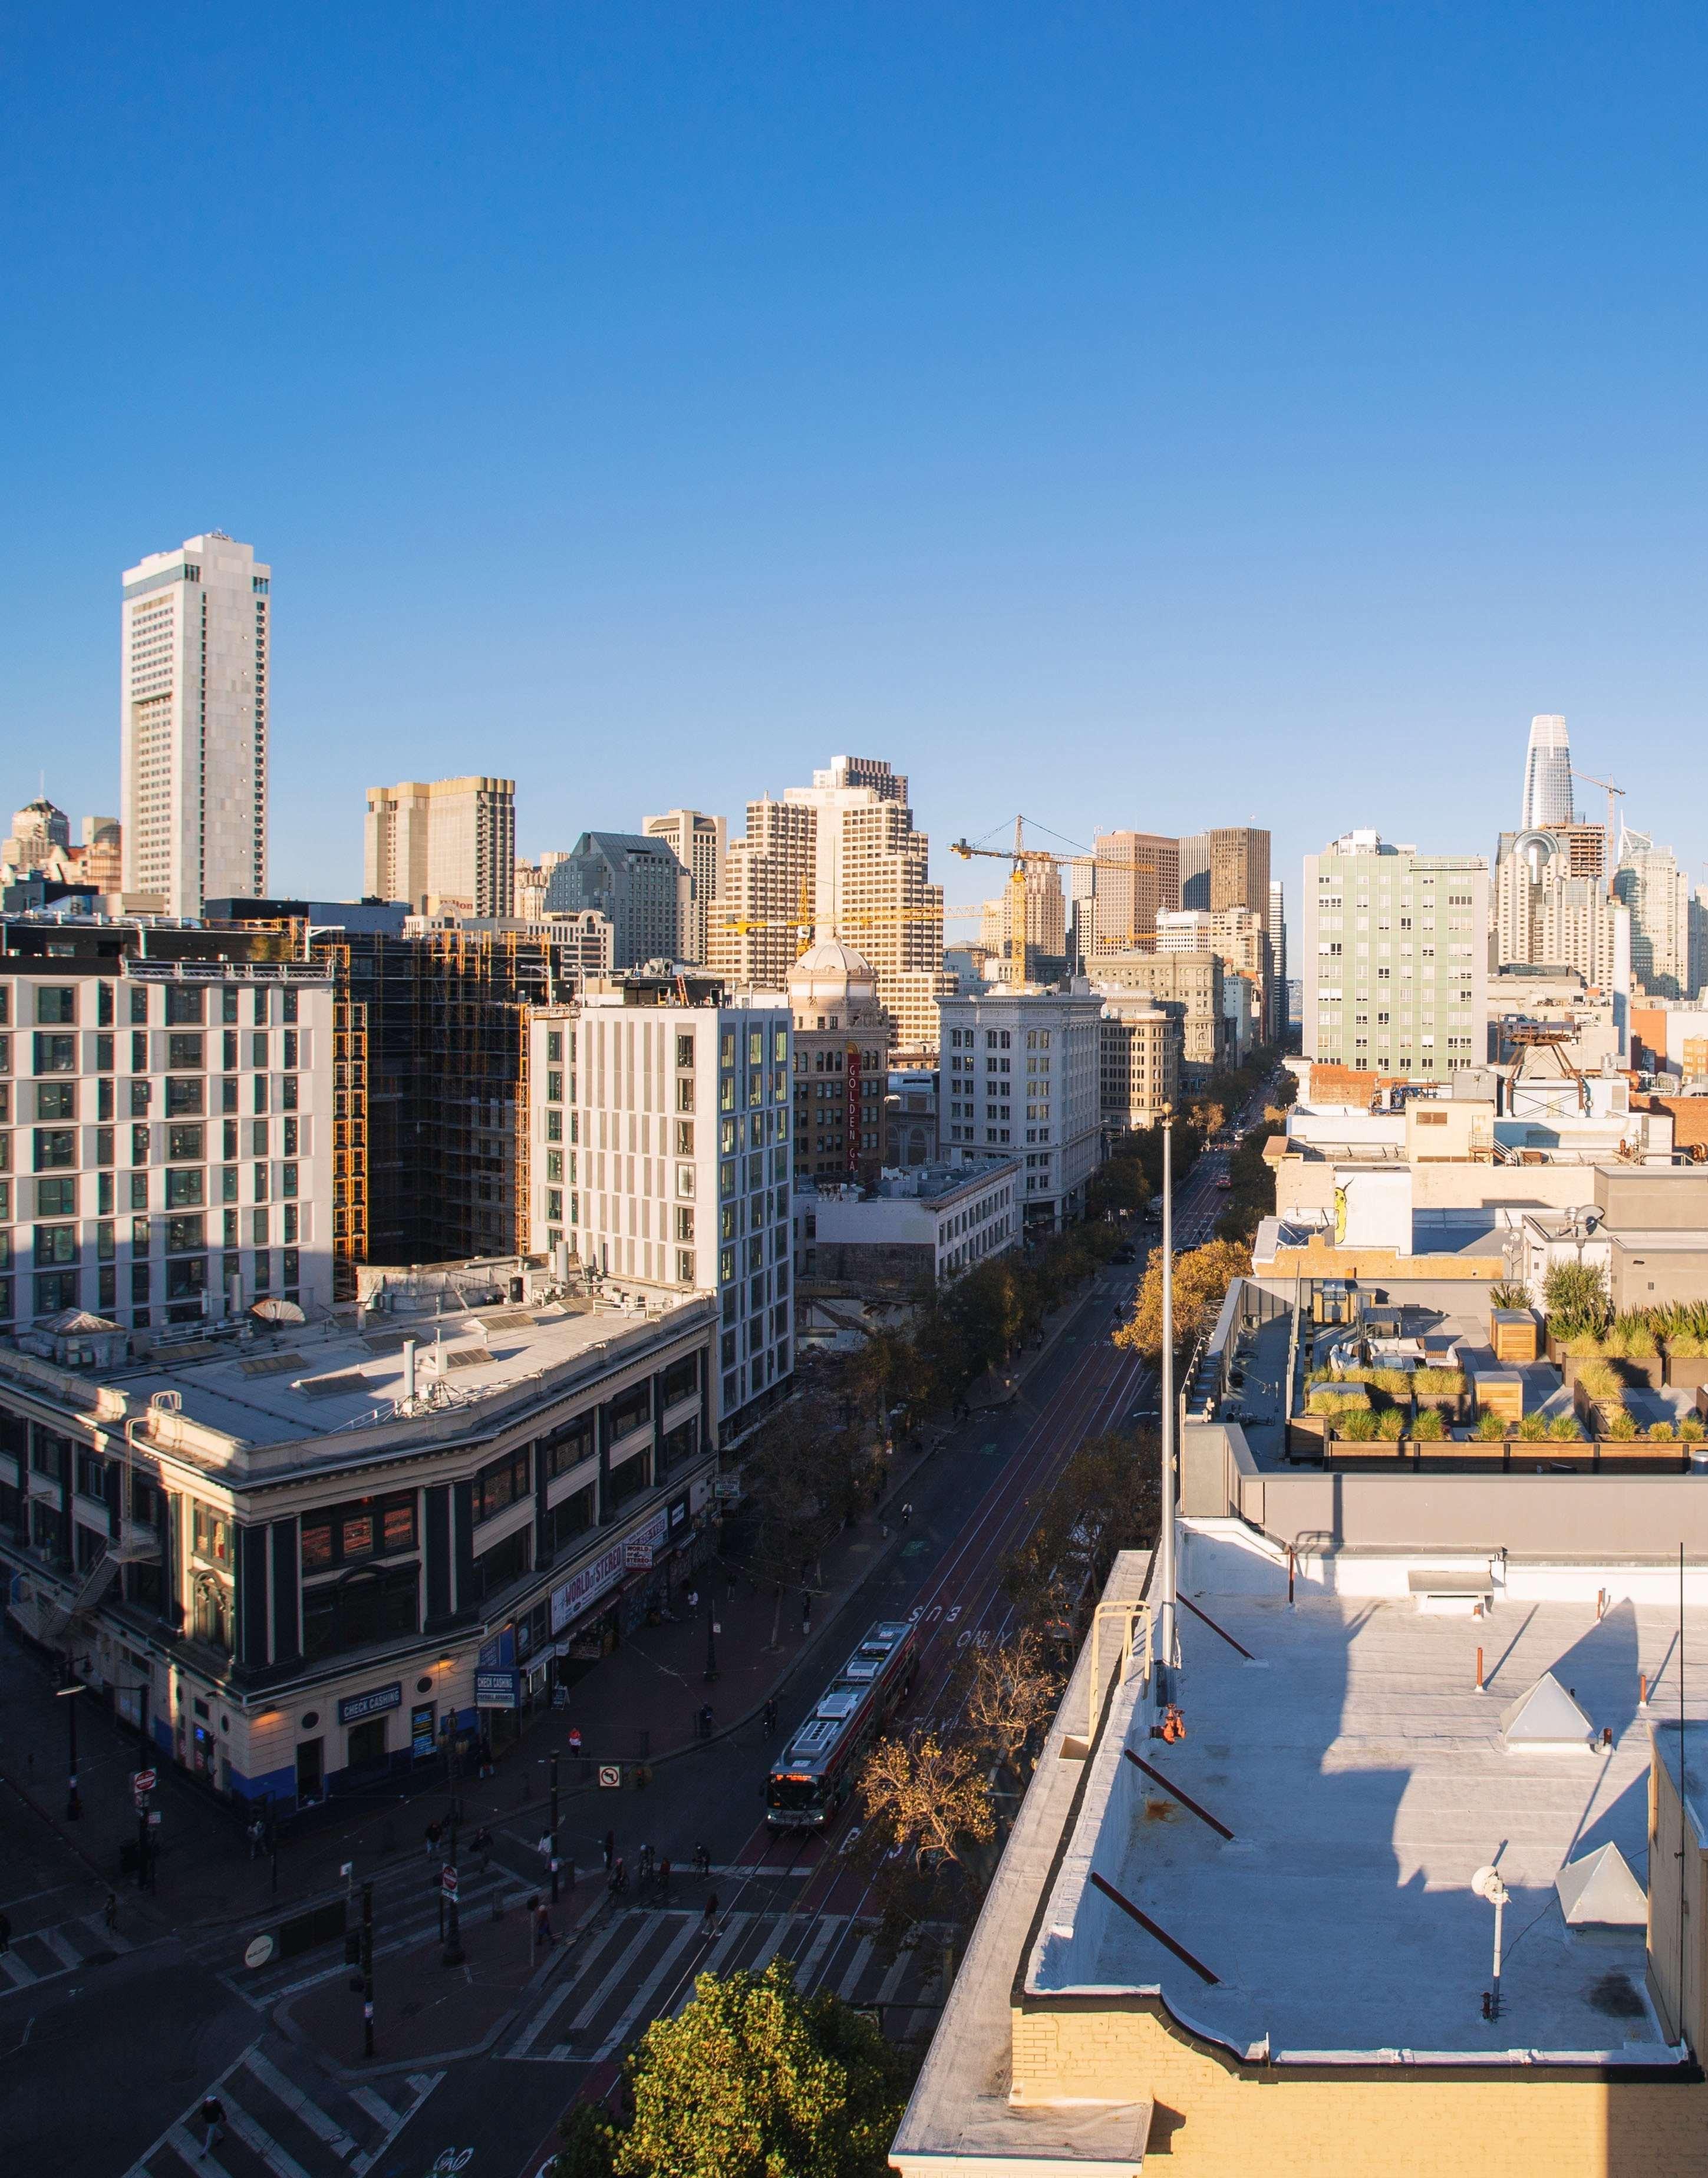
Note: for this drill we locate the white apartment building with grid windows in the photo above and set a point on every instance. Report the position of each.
(660, 1160)
(166, 1141)
(1019, 1077)
(196, 644)
(1396, 957)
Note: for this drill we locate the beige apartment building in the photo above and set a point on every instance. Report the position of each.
(1137, 875)
(699, 843)
(1043, 938)
(1187, 985)
(444, 845)
(1139, 1062)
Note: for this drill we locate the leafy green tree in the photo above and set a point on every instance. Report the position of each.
(1202, 1277)
(754, 2080)
(1575, 1297)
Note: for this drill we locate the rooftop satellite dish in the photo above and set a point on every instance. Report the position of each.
(1486, 1884)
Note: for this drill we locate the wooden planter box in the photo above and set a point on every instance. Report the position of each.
(1687, 1369)
(1651, 1373)
(1512, 1335)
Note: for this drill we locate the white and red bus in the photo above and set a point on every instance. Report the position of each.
(816, 1771)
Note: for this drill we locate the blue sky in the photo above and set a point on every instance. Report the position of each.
(1140, 416)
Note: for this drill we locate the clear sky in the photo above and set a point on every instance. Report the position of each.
(1131, 415)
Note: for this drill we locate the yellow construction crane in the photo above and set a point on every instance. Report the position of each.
(1020, 855)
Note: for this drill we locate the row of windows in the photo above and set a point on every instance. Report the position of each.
(184, 1005)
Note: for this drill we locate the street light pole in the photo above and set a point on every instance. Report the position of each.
(1165, 1538)
(711, 1638)
(73, 1799)
(554, 1826)
(367, 1969)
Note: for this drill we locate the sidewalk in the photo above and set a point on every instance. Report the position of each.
(646, 1695)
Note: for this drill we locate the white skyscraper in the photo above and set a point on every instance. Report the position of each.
(195, 648)
(1547, 775)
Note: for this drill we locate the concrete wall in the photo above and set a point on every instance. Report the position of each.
(1669, 1196)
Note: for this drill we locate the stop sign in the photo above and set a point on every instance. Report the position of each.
(448, 1878)
(143, 1781)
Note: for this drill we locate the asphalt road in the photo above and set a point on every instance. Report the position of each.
(106, 2049)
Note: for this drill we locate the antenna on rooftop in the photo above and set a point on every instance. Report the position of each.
(1486, 1884)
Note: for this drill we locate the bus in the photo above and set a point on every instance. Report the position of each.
(815, 1773)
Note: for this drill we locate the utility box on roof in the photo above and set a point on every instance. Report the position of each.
(1500, 1391)
(1512, 1332)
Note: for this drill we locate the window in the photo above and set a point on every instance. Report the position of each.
(363, 1528)
(183, 1145)
(566, 1521)
(183, 1004)
(228, 1007)
(56, 1244)
(568, 1444)
(628, 1480)
(554, 1046)
(56, 1198)
(501, 1482)
(56, 1100)
(211, 1534)
(56, 1003)
(504, 1563)
(55, 1148)
(681, 1379)
(370, 1605)
(184, 1234)
(183, 1189)
(630, 1408)
(56, 1054)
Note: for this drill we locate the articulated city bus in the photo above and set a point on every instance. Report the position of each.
(816, 1771)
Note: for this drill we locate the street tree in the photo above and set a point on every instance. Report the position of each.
(929, 1796)
(1202, 1277)
(752, 2080)
(1012, 1694)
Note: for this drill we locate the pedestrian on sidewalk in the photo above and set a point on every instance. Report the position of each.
(434, 1832)
(619, 1877)
(575, 1739)
(693, 1601)
(703, 1861)
(213, 2116)
(258, 1837)
(610, 1849)
(109, 1912)
(770, 1717)
(481, 1842)
(906, 1513)
(646, 1863)
(711, 1920)
(664, 1879)
(542, 1925)
(884, 1530)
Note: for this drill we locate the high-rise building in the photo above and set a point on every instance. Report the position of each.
(1044, 938)
(1547, 914)
(1191, 987)
(1396, 957)
(1238, 869)
(1138, 873)
(1195, 870)
(102, 853)
(1547, 775)
(837, 859)
(1278, 942)
(660, 1159)
(698, 842)
(637, 883)
(196, 650)
(447, 845)
(1657, 892)
(761, 919)
(1139, 1060)
(1021, 1075)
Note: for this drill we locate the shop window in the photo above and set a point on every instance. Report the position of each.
(366, 1605)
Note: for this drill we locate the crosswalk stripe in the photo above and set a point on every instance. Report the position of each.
(768, 1951)
(110, 1938)
(291, 2095)
(67, 1954)
(589, 2011)
(660, 1974)
(183, 2140)
(850, 1980)
(549, 2010)
(808, 1967)
(260, 2142)
(19, 1975)
(892, 1981)
(381, 2112)
(423, 2084)
(714, 1960)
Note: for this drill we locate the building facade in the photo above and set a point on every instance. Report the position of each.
(841, 1061)
(1649, 883)
(1043, 943)
(196, 649)
(659, 1141)
(699, 843)
(313, 1571)
(168, 1158)
(1396, 957)
(1138, 1063)
(447, 845)
(919, 1229)
(636, 884)
(1138, 876)
(1187, 985)
(1547, 799)
(1021, 1075)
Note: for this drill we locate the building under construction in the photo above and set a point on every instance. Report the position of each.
(430, 1058)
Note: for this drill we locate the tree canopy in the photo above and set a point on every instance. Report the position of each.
(752, 2080)
(1202, 1277)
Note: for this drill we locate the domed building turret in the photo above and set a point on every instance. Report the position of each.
(842, 1044)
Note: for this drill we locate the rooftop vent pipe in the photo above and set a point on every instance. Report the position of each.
(408, 1369)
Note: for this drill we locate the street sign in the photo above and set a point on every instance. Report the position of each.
(260, 1949)
(610, 1775)
(154, 1816)
(143, 1781)
(448, 1878)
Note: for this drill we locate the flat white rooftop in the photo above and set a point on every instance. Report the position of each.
(1365, 1779)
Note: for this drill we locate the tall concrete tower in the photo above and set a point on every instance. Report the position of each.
(1547, 776)
(197, 645)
